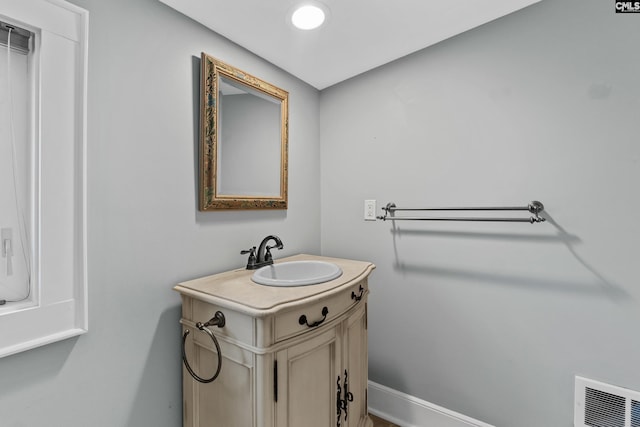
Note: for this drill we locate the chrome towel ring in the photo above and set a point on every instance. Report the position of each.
(217, 320)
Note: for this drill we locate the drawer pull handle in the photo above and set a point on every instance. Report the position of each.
(217, 320)
(357, 297)
(303, 319)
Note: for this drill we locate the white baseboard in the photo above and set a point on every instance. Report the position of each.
(409, 411)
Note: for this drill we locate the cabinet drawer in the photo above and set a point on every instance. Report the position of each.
(311, 316)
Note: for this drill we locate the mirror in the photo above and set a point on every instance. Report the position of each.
(243, 140)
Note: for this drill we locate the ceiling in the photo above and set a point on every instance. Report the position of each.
(357, 36)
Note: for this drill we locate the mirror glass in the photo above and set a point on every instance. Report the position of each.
(243, 140)
(249, 142)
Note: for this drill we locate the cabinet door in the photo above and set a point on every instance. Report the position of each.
(307, 378)
(356, 366)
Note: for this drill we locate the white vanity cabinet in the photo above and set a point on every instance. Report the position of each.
(291, 357)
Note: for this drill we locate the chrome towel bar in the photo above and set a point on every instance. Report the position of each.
(534, 207)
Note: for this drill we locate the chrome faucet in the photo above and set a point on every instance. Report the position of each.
(263, 256)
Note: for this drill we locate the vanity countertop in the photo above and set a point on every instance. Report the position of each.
(235, 289)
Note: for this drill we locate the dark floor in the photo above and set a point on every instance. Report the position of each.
(379, 422)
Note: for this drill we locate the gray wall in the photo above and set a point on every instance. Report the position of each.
(145, 233)
(494, 320)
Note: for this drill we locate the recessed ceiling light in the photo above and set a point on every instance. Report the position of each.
(308, 17)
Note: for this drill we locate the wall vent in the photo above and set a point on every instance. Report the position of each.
(604, 405)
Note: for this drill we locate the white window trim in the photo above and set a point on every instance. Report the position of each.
(58, 307)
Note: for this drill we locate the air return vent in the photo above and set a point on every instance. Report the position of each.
(603, 405)
(635, 413)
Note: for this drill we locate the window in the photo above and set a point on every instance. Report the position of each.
(50, 141)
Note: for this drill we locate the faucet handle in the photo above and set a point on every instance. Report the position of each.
(267, 254)
(251, 262)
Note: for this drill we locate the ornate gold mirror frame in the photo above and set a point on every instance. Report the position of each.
(251, 164)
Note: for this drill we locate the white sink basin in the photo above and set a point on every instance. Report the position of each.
(296, 273)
